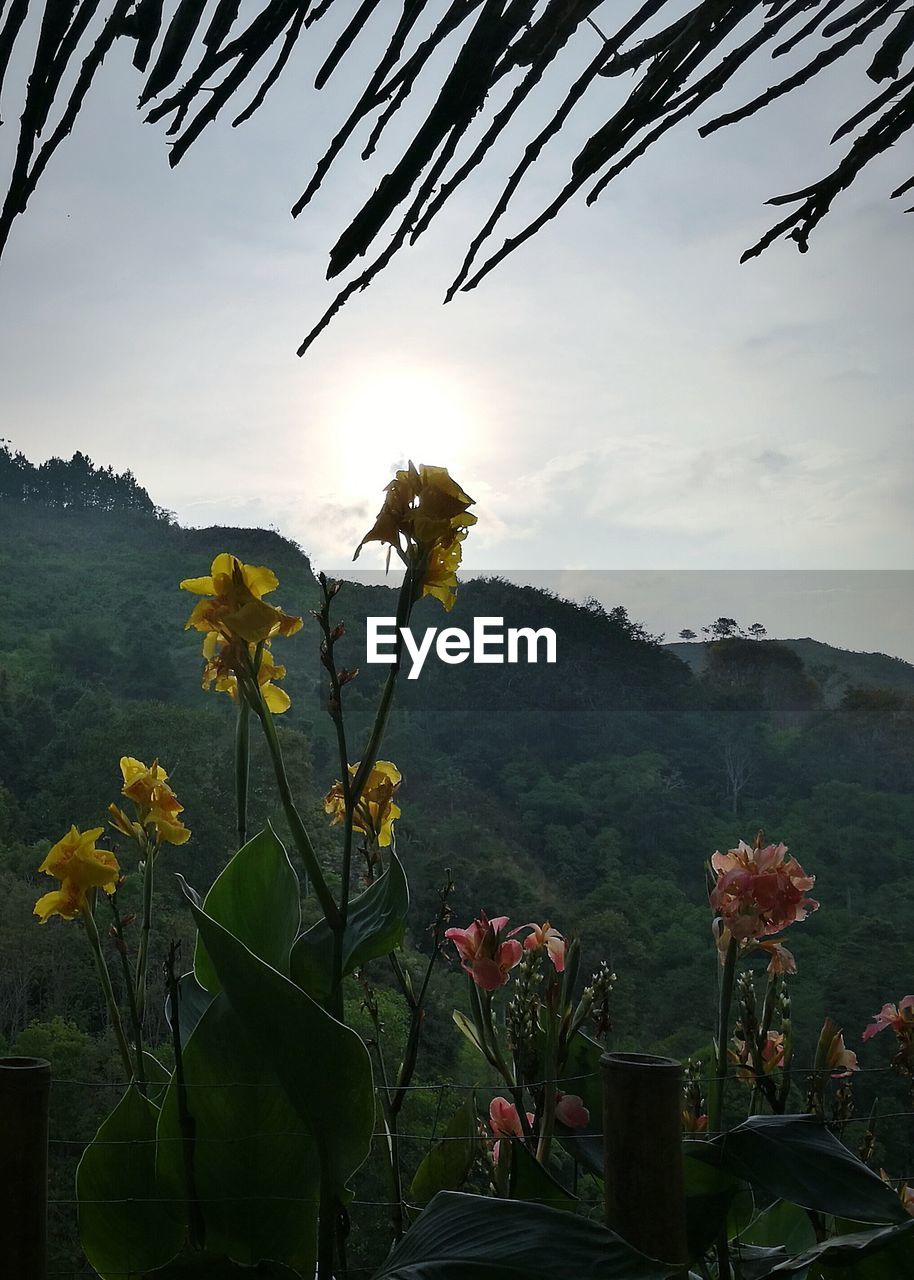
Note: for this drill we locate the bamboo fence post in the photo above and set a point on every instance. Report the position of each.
(642, 1136)
(24, 1092)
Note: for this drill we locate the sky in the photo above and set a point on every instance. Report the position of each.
(620, 395)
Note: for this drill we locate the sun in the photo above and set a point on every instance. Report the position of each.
(390, 416)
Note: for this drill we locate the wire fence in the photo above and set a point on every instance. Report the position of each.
(67, 1263)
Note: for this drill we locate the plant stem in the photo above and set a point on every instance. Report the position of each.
(131, 994)
(716, 1100)
(409, 589)
(547, 1118)
(196, 1224)
(107, 989)
(728, 977)
(142, 959)
(242, 768)
(293, 817)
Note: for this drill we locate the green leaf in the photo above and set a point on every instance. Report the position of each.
(795, 1158)
(753, 1262)
(193, 1001)
(782, 1224)
(529, 1180)
(375, 925)
(256, 897)
(884, 1254)
(256, 1172)
(447, 1165)
(710, 1194)
(464, 1025)
(322, 1065)
(126, 1226)
(459, 1236)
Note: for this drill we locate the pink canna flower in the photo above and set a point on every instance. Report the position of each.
(692, 1123)
(544, 935)
(759, 890)
(570, 1110)
(483, 954)
(504, 1121)
(900, 1019)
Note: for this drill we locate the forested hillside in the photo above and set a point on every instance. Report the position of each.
(589, 793)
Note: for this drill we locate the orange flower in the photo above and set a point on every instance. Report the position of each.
(544, 936)
(772, 1056)
(759, 890)
(832, 1054)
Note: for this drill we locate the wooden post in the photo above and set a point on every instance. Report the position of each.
(642, 1133)
(24, 1091)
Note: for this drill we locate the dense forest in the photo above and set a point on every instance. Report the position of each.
(589, 793)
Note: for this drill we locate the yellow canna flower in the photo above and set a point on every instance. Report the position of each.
(79, 866)
(218, 671)
(440, 578)
(376, 811)
(233, 606)
(424, 506)
(156, 804)
(426, 512)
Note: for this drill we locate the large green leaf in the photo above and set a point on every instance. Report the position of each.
(781, 1224)
(193, 1001)
(796, 1158)
(126, 1225)
(322, 1065)
(256, 897)
(447, 1165)
(884, 1254)
(711, 1193)
(256, 1172)
(375, 925)
(529, 1180)
(461, 1236)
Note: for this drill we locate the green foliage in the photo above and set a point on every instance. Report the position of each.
(125, 1226)
(461, 1235)
(256, 1171)
(375, 926)
(256, 898)
(591, 799)
(322, 1065)
(447, 1165)
(796, 1158)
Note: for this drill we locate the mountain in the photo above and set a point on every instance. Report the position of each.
(835, 670)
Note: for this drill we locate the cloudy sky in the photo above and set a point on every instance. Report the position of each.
(620, 394)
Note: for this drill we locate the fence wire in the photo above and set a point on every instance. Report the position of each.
(65, 1150)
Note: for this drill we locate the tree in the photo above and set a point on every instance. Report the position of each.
(687, 635)
(756, 631)
(721, 629)
(677, 59)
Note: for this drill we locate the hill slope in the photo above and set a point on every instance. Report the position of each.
(835, 670)
(589, 793)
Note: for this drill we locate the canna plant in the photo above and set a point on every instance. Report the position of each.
(238, 1160)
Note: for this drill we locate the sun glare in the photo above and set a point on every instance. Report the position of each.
(388, 417)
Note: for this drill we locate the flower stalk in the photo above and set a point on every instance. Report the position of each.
(104, 978)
